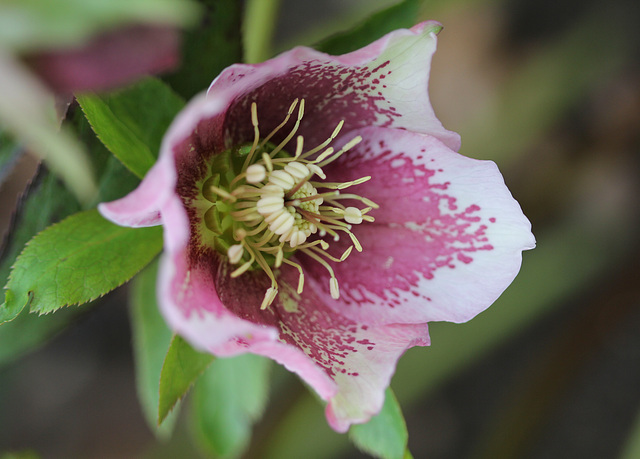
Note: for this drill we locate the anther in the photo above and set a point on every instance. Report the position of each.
(267, 161)
(299, 146)
(333, 287)
(279, 257)
(282, 224)
(270, 204)
(256, 173)
(297, 170)
(353, 215)
(269, 296)
(235, 253)
(282, 179)
(316, 170)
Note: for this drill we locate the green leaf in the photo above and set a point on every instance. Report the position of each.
(9, 153)
(228, 398)
(131, 122)
(182, 366)
(402, 15)
(209, 48)
(631, 448)
(45, 200)
(76, 261)
(28, 25)
(26, 454)
(151, 338)
(385, 435)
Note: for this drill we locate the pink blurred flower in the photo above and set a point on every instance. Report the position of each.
(446, 240)
(110, 59)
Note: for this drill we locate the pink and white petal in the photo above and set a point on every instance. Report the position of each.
(383, 84)
(142, 206)
(361, 389)
(447, 239)
(192, 308)
(349, 363)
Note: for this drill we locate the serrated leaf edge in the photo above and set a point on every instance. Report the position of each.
(30, 293)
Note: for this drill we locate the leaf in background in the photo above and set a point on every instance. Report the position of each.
(131, 122)
(402, 15)
(209, 48)
(76, 261)
(9, 154)
(182, 366)
(151, 339)
(385, 435)
(27, 25)
(45, 201)
(228, 398)
(27, 331)
(27, 112)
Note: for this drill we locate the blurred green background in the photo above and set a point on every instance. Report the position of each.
(550, 91)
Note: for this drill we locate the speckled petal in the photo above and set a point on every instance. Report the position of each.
(347, 363)
(448, 236)
(382, 84)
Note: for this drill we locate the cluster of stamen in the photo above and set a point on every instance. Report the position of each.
(266, 204)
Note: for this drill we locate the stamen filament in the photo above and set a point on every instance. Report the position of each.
(223, 193)
(293, 131)
(281, 125)
(314, 197)
(326, 142)
(256, 135)
(366, 201)
(301, 277)
(350, 144)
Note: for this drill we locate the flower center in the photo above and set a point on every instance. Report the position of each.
(263, 204)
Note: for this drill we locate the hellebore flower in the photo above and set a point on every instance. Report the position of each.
(267, 184)
(110, 59)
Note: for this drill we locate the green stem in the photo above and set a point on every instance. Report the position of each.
(259, 24)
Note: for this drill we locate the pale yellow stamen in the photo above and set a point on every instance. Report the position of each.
(270, 204)
(256, 134)
(301, 277)
(350, 144)
(235, 253)
(353, 215)
(297, 170)
(336, 131)
(282, 179)
(335, 290)
(292, 133)
(256, 173)
(273, 207)
(269, 296)
(281, 125)
(267, 161)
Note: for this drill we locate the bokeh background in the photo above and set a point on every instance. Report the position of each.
(550, 91)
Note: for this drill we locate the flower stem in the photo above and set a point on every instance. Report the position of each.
(259, 24)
